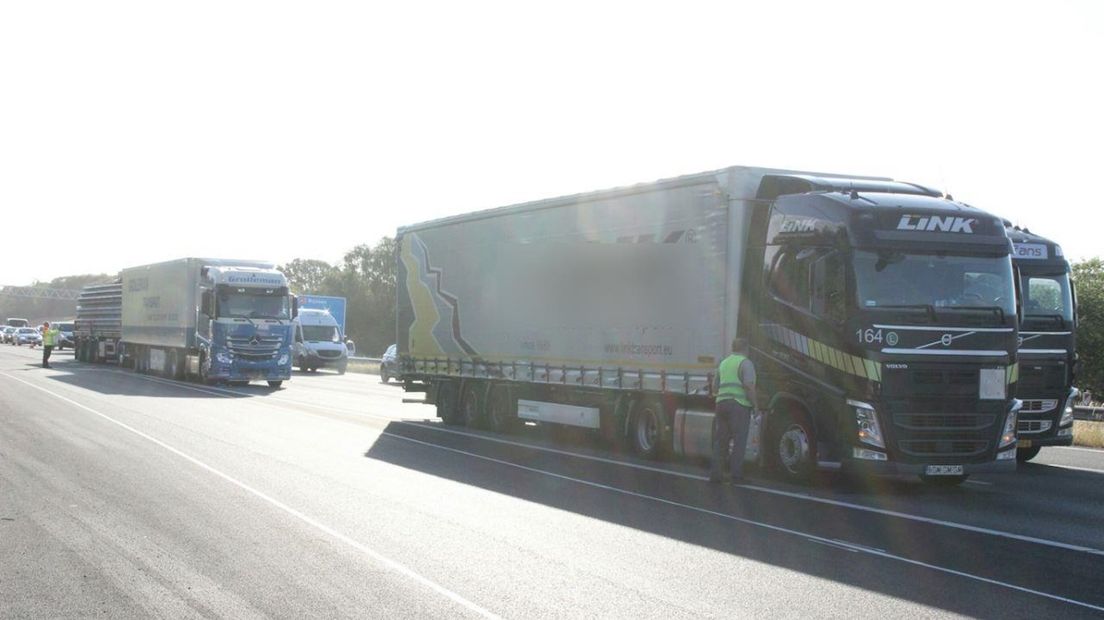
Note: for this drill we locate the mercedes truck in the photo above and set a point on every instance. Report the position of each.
(881, 317)
(209, 320)
(1047, 345)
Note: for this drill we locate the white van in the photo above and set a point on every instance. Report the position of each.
(318, 342)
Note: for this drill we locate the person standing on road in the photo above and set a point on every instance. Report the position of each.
(735, 401)
(49, 337)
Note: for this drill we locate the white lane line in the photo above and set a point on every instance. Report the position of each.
(1077, 448)
(759, 524)
(382, 559)
(752, 487)
(1073, 467)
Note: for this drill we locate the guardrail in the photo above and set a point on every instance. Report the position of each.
(375, 360)
(1081, 412)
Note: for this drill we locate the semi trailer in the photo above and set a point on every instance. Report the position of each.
(881, 317)
(210, 320)
(1047, 345)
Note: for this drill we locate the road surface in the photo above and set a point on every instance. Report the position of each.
(124, 495)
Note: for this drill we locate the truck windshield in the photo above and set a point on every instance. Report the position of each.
(250, 305)
(1046, 296)
(320, 333)
(888, 279)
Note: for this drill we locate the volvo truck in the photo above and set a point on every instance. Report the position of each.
(1047, 344)
(881, 317)
(209, 320)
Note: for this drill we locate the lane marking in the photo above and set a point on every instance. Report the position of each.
(759, 524)
(670, 472)
(1073, 467)
(1079, 449)
(380, 558)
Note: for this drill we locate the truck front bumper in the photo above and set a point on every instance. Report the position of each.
(1031, 441)
(891, 468)
(244, 371)
(316, 361)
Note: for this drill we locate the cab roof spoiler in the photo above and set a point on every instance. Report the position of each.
(774, 185)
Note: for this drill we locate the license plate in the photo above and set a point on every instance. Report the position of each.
(1023, 443)
(943, 470)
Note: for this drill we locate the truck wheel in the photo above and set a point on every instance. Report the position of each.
(275, 384)
(383, 375)
(448, 409)
(500, 409)
(342, 369)
(1024, 455)
(944, 481)
(472, 405)
(646, 430)
(795, 447)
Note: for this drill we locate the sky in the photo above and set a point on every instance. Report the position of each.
(134, 132)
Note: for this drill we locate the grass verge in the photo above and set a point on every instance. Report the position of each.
(1088, 434)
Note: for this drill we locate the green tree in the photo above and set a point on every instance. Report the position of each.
(1088, 276)
(307, 275)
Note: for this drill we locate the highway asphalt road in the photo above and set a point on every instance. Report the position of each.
(124, 495)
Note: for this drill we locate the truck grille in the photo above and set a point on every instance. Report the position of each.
(1033, 426)
(934, 413)
(940, 422)
(258, 348)
(937, 447)
(1038, 377)
(1039, 405)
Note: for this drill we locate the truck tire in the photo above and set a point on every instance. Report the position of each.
(448, 406)
(647, 429)
(342, 369)
(1024, 455)
(472, 406)
(501, 409)
(795, 446)
(275, 384)
(384, 378)
(944, 481)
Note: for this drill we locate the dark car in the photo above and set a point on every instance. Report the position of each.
(389, 364)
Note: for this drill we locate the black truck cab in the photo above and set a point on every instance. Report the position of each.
(885, 328)
(1047, 344)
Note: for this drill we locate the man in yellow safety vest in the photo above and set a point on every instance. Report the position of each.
(49, 337)
(736, 398)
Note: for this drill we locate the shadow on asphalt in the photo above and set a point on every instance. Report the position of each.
(705, 527)
(111, 380)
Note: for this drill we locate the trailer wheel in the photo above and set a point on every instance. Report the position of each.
(795, 446)
(448, 409)
(501, 410)
(1024, 455)
(472, 405)
(646, 430)
(275, 384)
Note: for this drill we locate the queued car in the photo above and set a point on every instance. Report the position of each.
(389, 364)
(26, 335)
(64, 336)
(6, 334)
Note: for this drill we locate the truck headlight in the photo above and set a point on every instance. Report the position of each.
(1008, 435)
(1067, 409)
(283, 360)
(866, 420)
(224, 357)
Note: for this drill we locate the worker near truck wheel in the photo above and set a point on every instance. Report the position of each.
(735, 401)
(49, 337)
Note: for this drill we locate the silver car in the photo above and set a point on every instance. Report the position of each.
(6, 333)
(27, 335)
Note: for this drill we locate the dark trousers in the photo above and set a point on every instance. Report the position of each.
(46, 351)
(730, 425)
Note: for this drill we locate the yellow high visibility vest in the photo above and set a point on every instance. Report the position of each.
(730, 387)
